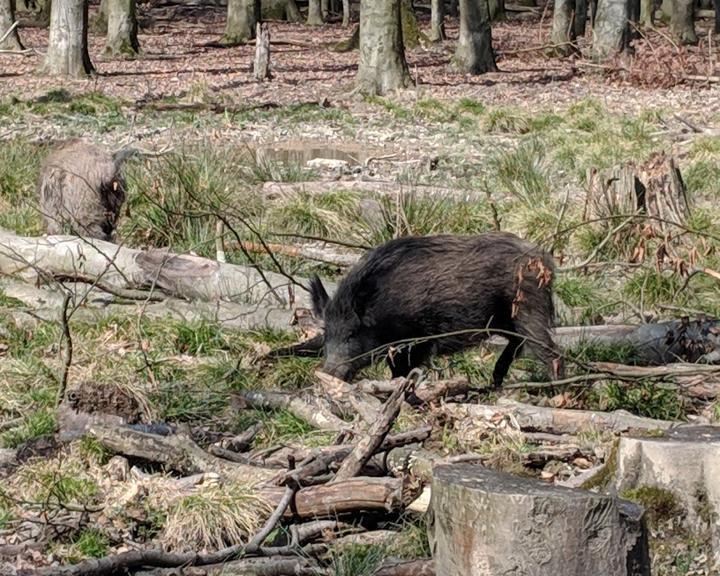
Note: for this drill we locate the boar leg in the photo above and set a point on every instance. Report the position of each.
(515, 343)
(404, 360)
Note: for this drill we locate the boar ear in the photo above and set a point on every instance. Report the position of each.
(319, 296)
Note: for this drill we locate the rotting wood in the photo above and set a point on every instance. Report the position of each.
(369, 443)
(313, 410)
(555, 420)
(177, 452)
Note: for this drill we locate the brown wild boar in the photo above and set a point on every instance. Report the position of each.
(81, 190)
(414, 297)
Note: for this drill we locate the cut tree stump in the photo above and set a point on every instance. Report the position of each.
(261, 67)
(655, 189)
(684, 461)
(487, 523)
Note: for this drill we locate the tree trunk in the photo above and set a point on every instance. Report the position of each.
(496, 9)
(292, 13)
(474, 53)
(242, 16)
(100, 21)
(7, 20)
(581, 12)
(325, 9)
(410, 28)
(682, 21)
(562, 36)
(486, 522)
(346, 12)
(647, 12)
(382, 66)
(262, 53)
(122, 29)
(67, 53)
(454, 9)
(314, 17)
(437, 20)
(611, 30)
(716, 4)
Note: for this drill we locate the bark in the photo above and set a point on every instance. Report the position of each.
(176, 452)
(454, 8)
(182, 276)
(369, 443)
(682, 21)
(474, 53)
(611, 31)
(347, 398)
(272, 566)
(496, 10)
(261, 66)
(556, 420)
(324, 9)
(410, 28)
(320, 252)
(122, 29)
(11, 41)
(382, 67)
(67, 52)
(315, 17)
(562, 36)
(437, 20)
(716, 6)
(581, 13)
(647, 12)
(281, 190)
(346, 13)
(242, 16)
(99, 24)
(409, 568)
(312, 410)
(599, 534)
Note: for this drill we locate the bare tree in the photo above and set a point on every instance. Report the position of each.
(67, 52)
(382, 66)
(437, 20)
(9, 38)
(242, 17)
(611, 30)
(346, 12)
(122, 28)
(314, 17)
(682, 21)
(563, 28)
(474, 53)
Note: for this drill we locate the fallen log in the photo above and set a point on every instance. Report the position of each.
(369, 443)
(349, 400)
(283, 190)
(427, 391)
(176, 452)
(556, 420)
(599, 534)
(313, 410)
(412, 568)
(273, 566)
(310, 251)
(180, 275)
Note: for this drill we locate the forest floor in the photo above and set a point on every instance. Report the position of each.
(518, 144)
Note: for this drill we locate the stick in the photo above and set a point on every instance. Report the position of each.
(254, 544)
(68, 349)
(370, 443)
(10, 31)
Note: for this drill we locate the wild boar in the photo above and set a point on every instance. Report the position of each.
(81, 190)
(414, 297)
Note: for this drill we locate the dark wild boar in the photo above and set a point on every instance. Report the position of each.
(439, 295)
(81, 190)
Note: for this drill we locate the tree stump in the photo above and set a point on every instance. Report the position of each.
(261, 68)
(487, 523)
(684, 461)
(611, 30)
(655, 190)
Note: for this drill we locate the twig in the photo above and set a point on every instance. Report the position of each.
(367, 445)
(127, 294)
(254, 544)
(68, 348)
(10, 31)
(597, 249)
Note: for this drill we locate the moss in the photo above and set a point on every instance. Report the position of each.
(607, 474)
(703, 507)
(660, 504)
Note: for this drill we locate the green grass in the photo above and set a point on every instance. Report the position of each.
(644, 398)
(357, 560)
(19, 169)
(35, 424)
(92, 543)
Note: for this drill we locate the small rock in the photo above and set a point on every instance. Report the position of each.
(583, 463)
(118, 468)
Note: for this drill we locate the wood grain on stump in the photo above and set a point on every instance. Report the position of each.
(489, 523)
